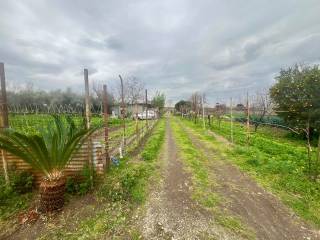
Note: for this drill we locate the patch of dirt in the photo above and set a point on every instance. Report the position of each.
(170, 211)
(78, 208)
(257, 208)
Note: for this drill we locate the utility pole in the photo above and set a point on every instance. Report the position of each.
(123, 115)
(231, 120)
(4, 118)
(106, 126)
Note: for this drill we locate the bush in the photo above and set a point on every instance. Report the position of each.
(81, 184)
(22, 182)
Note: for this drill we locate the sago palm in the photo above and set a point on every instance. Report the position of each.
(49, 151)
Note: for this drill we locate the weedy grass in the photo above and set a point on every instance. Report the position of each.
(16, 196)
(277, 162)
(204, 183)
(123, 190)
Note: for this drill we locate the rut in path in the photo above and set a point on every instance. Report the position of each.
(257, 208)
(170, 211)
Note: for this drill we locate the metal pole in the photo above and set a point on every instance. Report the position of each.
(123, 114)
(106, 126)
(4, 118)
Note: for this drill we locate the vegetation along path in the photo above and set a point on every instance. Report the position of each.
(244, 198)
(202, 195)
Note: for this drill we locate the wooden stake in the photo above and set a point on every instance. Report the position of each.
(147, 108)
(88, 115)
(4, 118)
(123, 115)
(231, 120)
(203, 121)
(248, 120)
(106, 126)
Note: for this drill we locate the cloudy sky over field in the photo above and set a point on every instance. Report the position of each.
(222, 48)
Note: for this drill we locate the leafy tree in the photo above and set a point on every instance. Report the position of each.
(296, 94)
(159, 101)
(182, 106)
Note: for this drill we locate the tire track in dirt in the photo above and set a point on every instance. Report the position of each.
(170, 211)
(260, 210)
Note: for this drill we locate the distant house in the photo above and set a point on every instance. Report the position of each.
(130, 109)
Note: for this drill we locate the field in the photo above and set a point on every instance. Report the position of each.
(276, 160)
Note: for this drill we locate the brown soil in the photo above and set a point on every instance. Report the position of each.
(259, 209)
(77, 209)
(170, 211)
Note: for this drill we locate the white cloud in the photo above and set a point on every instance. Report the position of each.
(223, 48)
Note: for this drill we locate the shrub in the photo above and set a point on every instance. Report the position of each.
(22, 182)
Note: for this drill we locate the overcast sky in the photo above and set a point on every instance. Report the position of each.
(222, 48)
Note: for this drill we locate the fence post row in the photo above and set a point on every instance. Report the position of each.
(106, 127)
(4, 118)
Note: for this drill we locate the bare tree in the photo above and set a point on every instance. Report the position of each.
(195, 100)
(219, 111)
(261, 107)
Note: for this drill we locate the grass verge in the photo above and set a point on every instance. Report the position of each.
(122, 192)
(275, 162)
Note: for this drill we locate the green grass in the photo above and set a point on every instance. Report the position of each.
(204, 183)
(11, 201)
(122, 191)
(30, 123)
(276, 162)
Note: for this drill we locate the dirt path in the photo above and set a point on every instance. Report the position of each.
(257, 208)
(170, 211)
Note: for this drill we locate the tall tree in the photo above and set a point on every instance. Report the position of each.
(296, 94)
(158, 101)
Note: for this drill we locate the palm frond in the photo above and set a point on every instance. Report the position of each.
(52, 148)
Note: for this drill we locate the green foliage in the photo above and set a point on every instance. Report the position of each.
(81, 184)
(277, 162)
(51, 149)
(11, 201)
(152, 148)
(128, 181)
(182, 106)
(297, 95)
(159, 100)
(21, 182)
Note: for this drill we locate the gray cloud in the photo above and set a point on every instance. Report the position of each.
(222, 48)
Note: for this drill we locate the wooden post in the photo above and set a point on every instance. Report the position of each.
(231, 120)
(106, 126)
(146, 109)
(137, 126)
(203, 121)
(87, 98)
(4, 118)
(248, 120)
(123, 115)
(87, 117)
